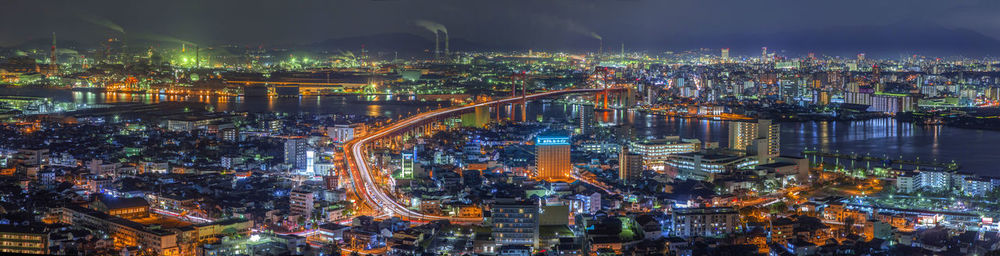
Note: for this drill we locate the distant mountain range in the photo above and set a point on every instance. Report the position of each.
(875, 41)
(403, 43)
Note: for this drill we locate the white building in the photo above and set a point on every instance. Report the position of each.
(907, 182)
(341, 133)
(975, 186)
(935, 180)
(656, 152)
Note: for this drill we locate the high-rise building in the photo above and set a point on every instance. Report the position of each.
(552, 157)
(629, 165)
(301, 203)
(515, 222)
(725, 53)
(295, 153)
(761, 139)
(763, 53)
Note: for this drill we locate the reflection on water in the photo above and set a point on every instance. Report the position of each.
(376, 106)
(974, 149)
(374, 110)
(886, 137)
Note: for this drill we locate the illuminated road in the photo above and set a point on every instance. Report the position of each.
(361, 175)
(590, 179)
(180, 216)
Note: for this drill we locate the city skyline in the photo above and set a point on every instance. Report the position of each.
(499, 128)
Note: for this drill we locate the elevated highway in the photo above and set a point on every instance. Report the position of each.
(361, 171)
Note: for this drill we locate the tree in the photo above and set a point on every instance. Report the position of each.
(779, 207)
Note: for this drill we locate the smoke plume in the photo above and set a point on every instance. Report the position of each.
(432, 26)
(596, 36)
(102, 22)
(566, 24)
(162, 38)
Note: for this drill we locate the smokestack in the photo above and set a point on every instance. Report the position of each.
(446, 56)
(53, 66)
(600, 51)
(437, 45)
(197, 58)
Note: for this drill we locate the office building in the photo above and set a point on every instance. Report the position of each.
(725, 53)
(295, 153)
(552, 157)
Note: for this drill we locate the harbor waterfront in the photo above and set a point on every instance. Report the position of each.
(500, 128)
(882, 137)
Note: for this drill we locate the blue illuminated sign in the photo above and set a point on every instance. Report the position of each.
(552, 140)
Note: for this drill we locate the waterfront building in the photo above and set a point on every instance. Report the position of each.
(907, 182)
(892, 103)
(976, 186)
(761, 139)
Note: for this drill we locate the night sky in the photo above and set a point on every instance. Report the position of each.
(542, 24)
